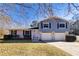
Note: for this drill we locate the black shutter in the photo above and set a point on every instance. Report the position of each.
(49, 25)
(66, 25)
(57, 25)
(41, 25)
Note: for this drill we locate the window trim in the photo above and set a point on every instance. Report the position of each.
(58, 25)
(62, 25)
(45, 27)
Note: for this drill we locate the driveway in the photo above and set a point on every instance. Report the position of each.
(69, 47)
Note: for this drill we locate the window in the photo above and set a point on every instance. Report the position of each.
(45, 25)
(13, 32)
(62, 25)
(26, 32)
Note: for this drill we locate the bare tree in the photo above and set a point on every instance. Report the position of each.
(40, 10)
(72, 8)
(34, 24)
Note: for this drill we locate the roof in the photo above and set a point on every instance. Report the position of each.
(34, 28)
(17, 29)
(56, 18)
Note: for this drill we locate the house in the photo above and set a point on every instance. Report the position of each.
(3, 32)
(51, 29)
(75, 27)
(20, 33)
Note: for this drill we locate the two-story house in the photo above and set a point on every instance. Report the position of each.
(51, 29)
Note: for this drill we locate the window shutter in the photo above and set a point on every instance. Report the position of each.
(57, 25)
(49, 25)
(41, 25)
(66, 25)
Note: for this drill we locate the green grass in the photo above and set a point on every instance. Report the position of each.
(30, 49)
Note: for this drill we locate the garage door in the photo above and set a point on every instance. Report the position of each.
(59, 36)
(46, 36)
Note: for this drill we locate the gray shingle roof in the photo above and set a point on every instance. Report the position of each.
(56, 18)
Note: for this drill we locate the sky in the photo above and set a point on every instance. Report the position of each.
(17, 16)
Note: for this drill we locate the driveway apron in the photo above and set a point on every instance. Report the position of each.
(69, 47)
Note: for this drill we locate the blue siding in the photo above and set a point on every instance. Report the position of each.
(54, 27)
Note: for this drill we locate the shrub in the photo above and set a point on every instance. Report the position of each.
(70, 38)
(7, 36)
(27, 37)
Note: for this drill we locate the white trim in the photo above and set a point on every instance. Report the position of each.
(45, 23)
(62, 27)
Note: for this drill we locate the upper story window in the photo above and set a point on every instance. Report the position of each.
(45, 25)
(62, 25)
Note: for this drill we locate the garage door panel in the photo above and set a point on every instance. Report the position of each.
(46, 36)
(59, 36)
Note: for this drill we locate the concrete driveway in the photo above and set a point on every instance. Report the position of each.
(69, 47)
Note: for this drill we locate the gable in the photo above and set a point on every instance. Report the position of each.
(54, 18)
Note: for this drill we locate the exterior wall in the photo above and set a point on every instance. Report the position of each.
(20, 33)
(9, 32)
(35, 35)
(54, 27)
(6, 32)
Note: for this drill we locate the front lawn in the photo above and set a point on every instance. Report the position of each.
(15, 41)
(30, 49)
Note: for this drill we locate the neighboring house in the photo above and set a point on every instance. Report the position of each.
(75, 27)
(20, 33)
(51, 29)
(3, 32)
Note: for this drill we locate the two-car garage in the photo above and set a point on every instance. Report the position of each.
(36, 35)
(53, 36)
